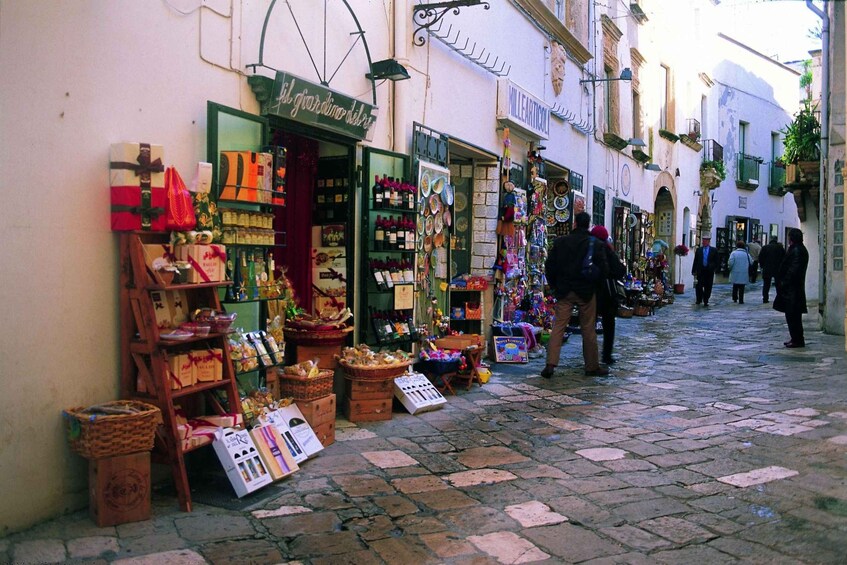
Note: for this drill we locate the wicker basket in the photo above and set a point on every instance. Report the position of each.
(642, 310)
(305, 388)
(624, 312)
(316, 337)
(373, 373)
(95, 436)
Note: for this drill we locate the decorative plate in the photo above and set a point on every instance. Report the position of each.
(433, 260)
(420, 224)
(176, 335)
(434, 203)
(461, 201)
(550, 219)
(439, 239)
(448, 217)
(447, 195)
(560, 188)
(462, 224)
(428, 243)
(420, 241)
(438, 184)
(425, 184)
(561, 202)
(562, 216)
(429, 225)
(439, 223)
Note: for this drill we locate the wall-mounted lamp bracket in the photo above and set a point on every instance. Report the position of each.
(626, 74)
(427, 15)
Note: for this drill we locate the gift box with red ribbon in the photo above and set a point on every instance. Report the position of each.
(137, 182)
(208, 262)
(208, 364)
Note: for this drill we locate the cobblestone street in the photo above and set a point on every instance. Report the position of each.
(709, 443)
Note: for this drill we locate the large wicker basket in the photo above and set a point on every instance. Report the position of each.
(373, 373)
(96, 435)
(305, 388)
(316, 337)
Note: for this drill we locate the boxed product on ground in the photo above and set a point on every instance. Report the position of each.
(137, 179)
(369, 390)
(241, 461)
(119, 489)
(208, 262)
(318, 411)
(368, 410)
(417, 393)
(326, 433)
(181, 371)
(278, 459)
(301, 429)
(278, 420)
(239, 175)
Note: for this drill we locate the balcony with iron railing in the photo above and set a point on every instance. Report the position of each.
(712, 170)
(747, 171)
(691, 136)
(776, 181)
(712, 151)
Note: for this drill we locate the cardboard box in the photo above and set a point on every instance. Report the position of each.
(208, 262)
(119, 489)
(239, 172)
(241, 461)
(181, 371)
(171, 307)
(368, 410)
(326, 433)
(319, 411)
(208, 364)
(264, 177)
(301, 429)
(274, 451)
(276, 419)
(417, 393)
(325, 354)
(369, 390)
(137, 187)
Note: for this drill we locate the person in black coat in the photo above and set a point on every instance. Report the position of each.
(607, 306)
(770, 257)
(564, 270)
(791, 288)
(706, 262)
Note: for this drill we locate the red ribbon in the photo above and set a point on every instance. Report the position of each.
(215, 252)
(196, 266)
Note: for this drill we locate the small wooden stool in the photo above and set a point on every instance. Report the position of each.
(473, 356)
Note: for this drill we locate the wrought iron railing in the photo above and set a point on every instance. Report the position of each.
(748, 169)
(712, 150)
(777, 177)
(693, 130)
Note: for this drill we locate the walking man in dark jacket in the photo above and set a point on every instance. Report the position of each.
(565, 275)
(791, 288)
(706, 262)
(770, 257)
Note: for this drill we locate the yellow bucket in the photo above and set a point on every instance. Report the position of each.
(484, 374)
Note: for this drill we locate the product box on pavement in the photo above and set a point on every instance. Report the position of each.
(181, 371)
(274, 451)
(301, 429)
(239, 175)
(137, 187)
(171, 307)
(417, 393)
(119, 489)
(208, 364)
(279, 421)
(241, 461)
(208, 262)
(318, 411)
(326, 433)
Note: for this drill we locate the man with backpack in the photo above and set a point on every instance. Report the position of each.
(575, 268)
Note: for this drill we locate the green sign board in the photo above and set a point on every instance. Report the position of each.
(294, 98)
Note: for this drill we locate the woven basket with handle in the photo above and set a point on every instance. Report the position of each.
(94, 435)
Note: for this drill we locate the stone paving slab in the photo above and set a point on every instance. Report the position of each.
(721, 449)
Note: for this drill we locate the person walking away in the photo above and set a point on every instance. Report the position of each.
(565, 275)
(754, 248)
(769, 258)
(607, 306)
(739, 271)
(706, 262)
(791, 288)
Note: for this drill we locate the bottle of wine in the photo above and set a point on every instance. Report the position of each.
(401, 234)
(380, 280)
(377, 193)
(392, 234)
(386, 272)
(379, 234)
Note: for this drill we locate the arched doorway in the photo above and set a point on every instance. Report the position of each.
(664, 220)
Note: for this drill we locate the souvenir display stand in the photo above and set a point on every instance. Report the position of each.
(145, 354)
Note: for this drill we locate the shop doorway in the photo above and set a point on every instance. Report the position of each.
(664, 216)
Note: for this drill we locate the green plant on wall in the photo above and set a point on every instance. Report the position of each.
(802, 137)
(806, 78)
(717, 166)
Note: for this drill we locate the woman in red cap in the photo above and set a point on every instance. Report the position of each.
(607, 307)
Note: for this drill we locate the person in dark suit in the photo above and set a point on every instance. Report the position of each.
(564, 270)
(770, 257)
(607, 305)
(706, 262)
(791, 288)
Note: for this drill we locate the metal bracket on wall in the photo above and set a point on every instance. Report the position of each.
(427, 15)
(469, 52)
(582, 126)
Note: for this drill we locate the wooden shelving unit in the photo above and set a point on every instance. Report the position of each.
(144, 356)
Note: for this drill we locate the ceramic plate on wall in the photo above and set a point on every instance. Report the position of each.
(560, 188)
(447, 195)
(563, 216)
(448, 218)
(462, 224)
(560, 202)
(435, 204)
(461, 201)
(439, 239)
(439, 223)
(430, 224)
(550, 219)
(438, 184)
(425, 184)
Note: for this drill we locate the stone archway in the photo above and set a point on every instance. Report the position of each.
(664, 222)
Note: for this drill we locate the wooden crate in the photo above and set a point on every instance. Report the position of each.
(458, 341)
(325, 433)
(119, 489)
(325, 354)
(368, 410)
(369, 390)
(319, 411)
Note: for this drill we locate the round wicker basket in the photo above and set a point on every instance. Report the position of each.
(316, 337)
(305, 388)
(373, 372)
(99, 435)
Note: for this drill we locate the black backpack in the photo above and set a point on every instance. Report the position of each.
(590, 271)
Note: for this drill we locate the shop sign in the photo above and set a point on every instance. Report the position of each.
(521, 110)
(297, 99)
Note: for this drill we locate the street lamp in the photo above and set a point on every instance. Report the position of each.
(388, 69)
(653, 167)
(626, 74)
(636, 142)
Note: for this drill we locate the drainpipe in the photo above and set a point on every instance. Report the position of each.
(399, 97)
(822, 196)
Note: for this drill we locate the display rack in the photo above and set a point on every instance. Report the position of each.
(144, 356)
(460, 299)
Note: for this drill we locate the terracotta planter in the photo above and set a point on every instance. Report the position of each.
(709, 179)
(679, 288)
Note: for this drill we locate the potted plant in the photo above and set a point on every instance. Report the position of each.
(680, 251)
(712, 174)
(802, 138)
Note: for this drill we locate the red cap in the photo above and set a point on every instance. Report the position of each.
(600, 233)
